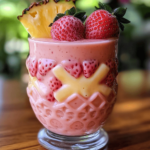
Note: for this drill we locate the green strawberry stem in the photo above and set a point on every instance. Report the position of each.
(118, 12)
(80, 15)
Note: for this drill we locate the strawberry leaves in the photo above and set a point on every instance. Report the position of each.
(72, 12)
(108, 8)
(119, 13)
(56, 18)
(104, 6)
(124, 20)
(81, 15)
(121, 26)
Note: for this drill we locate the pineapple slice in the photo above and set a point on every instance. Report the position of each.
(37, 18)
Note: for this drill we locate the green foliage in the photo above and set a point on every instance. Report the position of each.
(11, 30)
(144, 10)
(73, 12)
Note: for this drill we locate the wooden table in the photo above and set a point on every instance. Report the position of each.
(128, 126)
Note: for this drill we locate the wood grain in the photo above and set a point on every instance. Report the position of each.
(128, 126)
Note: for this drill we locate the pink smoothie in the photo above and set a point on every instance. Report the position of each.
(76, 114)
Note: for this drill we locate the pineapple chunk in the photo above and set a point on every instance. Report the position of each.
(37, 18)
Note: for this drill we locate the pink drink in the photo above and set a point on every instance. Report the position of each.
(73, 105)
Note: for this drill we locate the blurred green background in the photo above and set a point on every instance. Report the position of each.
(134, 45)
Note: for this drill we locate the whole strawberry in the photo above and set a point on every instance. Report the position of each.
(103, 23)
(68, 26)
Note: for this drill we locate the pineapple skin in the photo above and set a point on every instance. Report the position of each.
(37, 18)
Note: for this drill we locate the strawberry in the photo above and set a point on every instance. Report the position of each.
(39, 76)
(68, 26)
(109, 80)
(54, 84)
(31, 64)
(50, 97)
(111, 64)
(103, 23)
(45, 65)
(73, 67)
(89, 67)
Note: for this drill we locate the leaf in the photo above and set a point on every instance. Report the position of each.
(67, 12)
(121, 26)
(50, 24)
(83, 18)
(108, 8)
(120, 12)
(55, 19)
(101, 5)
(71, 11)
(96, 8)
(124, 20)
(58, 17)
(80, 15)
(104, 6)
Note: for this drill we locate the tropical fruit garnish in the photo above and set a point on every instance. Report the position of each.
(38, 16)
(104, 23)
(68, 26)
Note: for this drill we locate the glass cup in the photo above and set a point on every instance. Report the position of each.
(72, 91)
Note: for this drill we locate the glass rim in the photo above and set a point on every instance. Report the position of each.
(79, 42)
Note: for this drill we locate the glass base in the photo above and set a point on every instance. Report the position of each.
(52, 141)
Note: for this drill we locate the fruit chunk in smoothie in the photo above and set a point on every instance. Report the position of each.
(73, 67)
(82, 85)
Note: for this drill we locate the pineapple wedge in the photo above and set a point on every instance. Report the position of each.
(37, 18)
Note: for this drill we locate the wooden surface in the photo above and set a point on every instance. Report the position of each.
(128, 126)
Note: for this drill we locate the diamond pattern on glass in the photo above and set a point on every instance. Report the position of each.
(75, 102)
(97, 100)
(76, 114)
